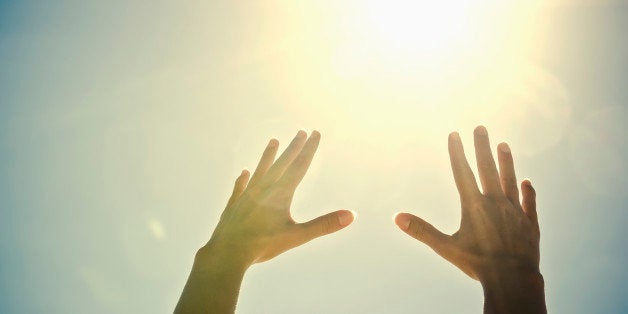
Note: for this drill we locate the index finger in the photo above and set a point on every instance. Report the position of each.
(268, 157)
(297, 170)
(278, 168)
(465, 180)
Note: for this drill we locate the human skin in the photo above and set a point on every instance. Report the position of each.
(498, 239)
(256, 226)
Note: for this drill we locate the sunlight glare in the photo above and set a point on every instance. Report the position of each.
(416, 67)
(423, 27)
(156, 228)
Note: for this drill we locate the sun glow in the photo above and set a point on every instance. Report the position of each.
(388, 67)
(419, 27)
(123, 124)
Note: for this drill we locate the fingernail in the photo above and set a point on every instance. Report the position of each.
(244, 172)
(527, 182)
(454, 136)
(345, 217)
(301, 133)
(273, 143)
(403, 222)
(481, 130)
(504, 148)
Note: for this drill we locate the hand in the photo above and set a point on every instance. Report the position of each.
(498, 239)
(256, 225)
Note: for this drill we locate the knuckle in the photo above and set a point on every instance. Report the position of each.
(254, 186)
(327, 225)
(511, 182)
(281, 193)
(416, 229)
(477, 204)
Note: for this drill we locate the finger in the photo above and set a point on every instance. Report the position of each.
(486, 164)
(426, 233)
(465, 180)
(297, 169)
(323, 225)
(278, 168)
(239, 186)
(268, 157)
(529, 200)
(507, 173)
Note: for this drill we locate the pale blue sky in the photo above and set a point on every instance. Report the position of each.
(123, 124)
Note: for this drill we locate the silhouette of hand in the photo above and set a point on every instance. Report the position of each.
(256, 225)
(498, 239)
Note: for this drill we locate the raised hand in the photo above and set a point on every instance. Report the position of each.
(256, 226)
(498, 239)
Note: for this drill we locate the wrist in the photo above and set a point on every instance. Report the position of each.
(214, 282)
(504, 271)
(217, 258)
(513, 288)
(513, 280)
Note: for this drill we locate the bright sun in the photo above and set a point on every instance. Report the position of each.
(420, 27)
(391, 67)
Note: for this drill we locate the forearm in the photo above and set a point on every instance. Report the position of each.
(513, 290)
(213, 285)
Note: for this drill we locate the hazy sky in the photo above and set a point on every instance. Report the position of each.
(123, 125)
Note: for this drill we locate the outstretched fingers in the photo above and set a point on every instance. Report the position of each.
(529, 201)
(239, 186)
(277, 169)
(298, 168)
(507, 173)
(465, 180)
(486, 164)
(268, 157)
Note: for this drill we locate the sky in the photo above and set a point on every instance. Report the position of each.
(124, 123)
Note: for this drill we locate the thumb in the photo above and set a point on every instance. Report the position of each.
(324, 225)
(424, 232)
